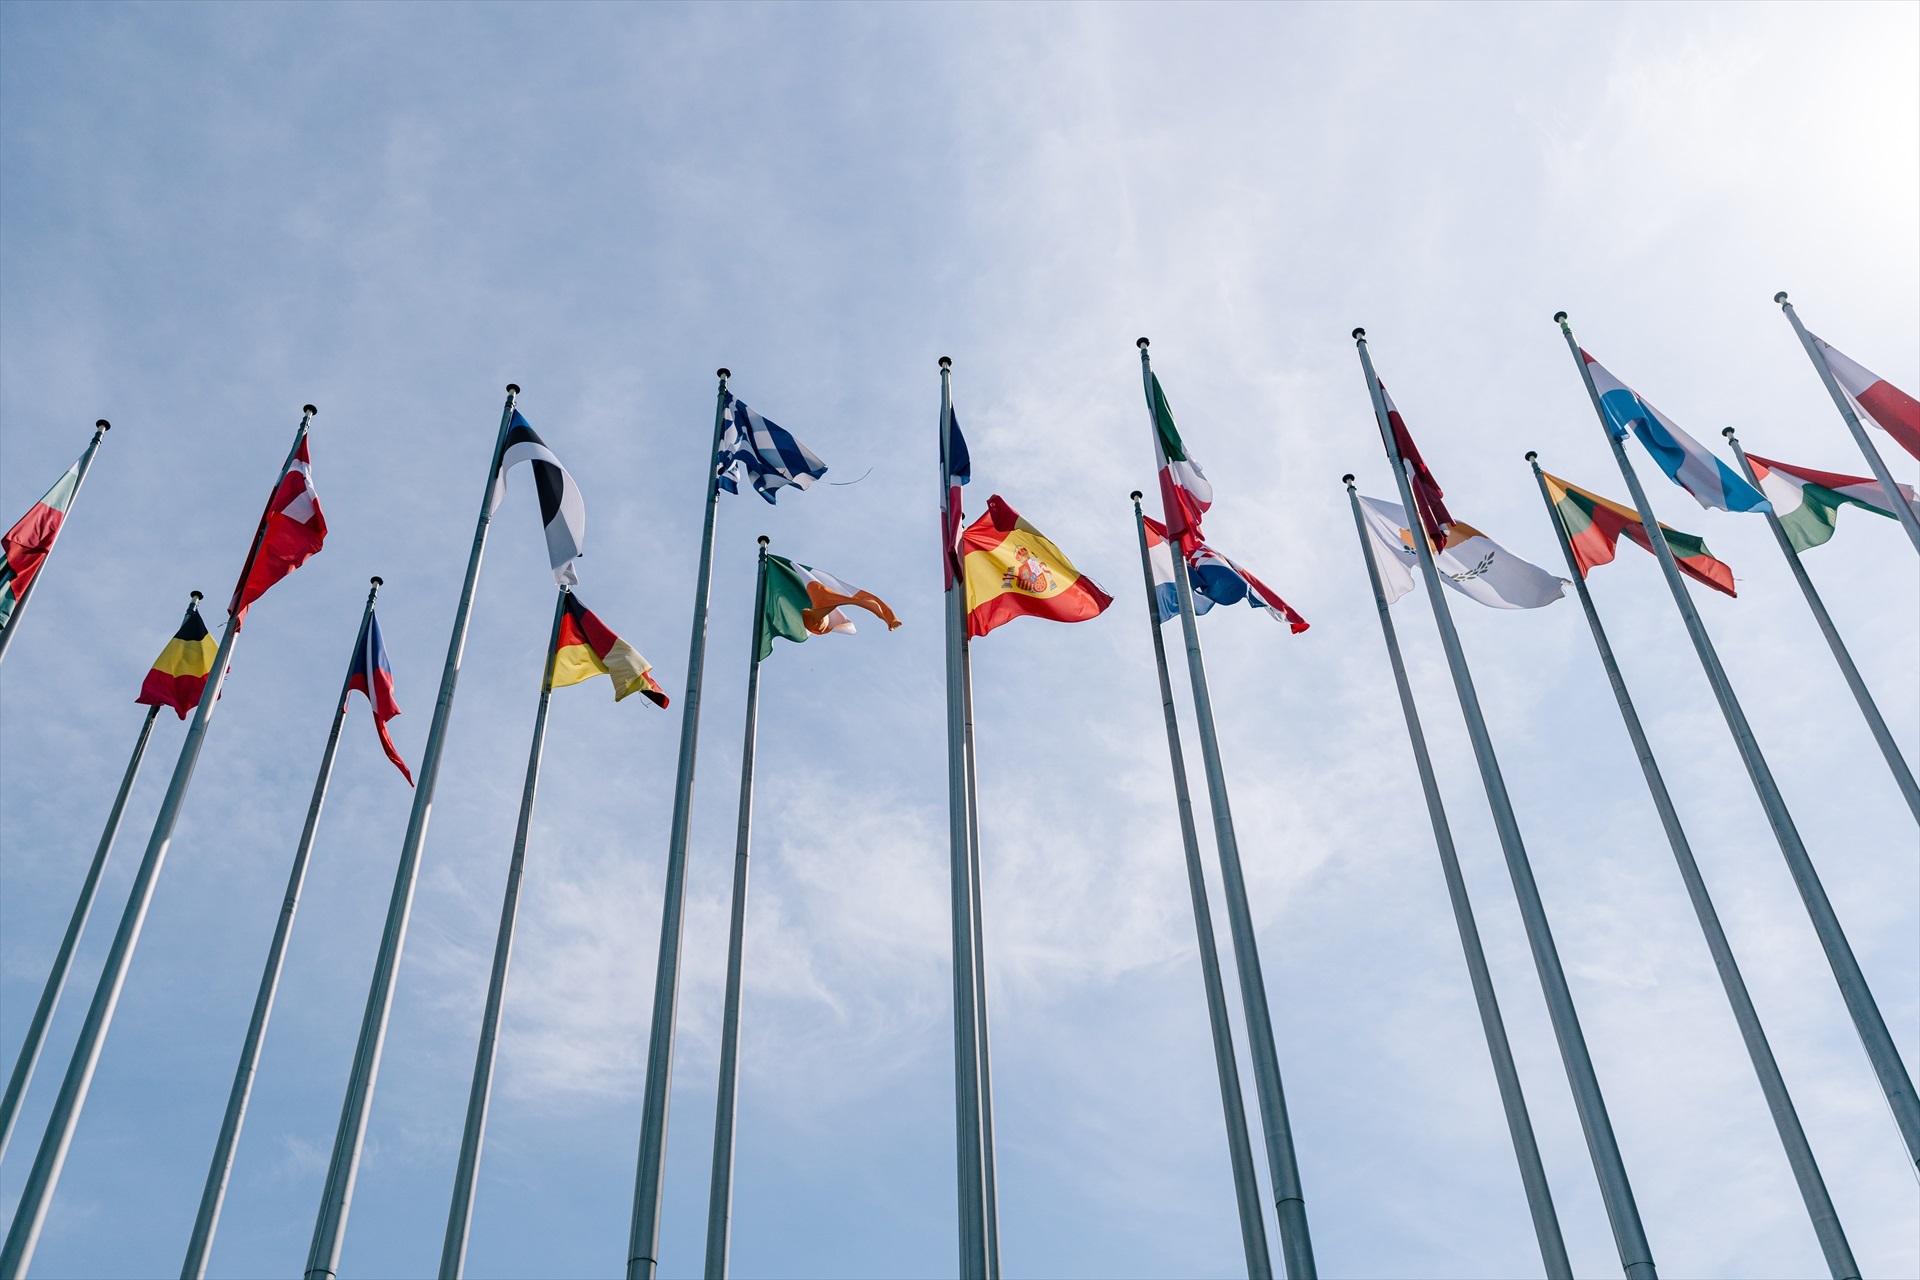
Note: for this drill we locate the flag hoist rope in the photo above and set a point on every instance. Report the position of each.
(100, 429)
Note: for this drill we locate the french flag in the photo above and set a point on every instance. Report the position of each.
(373, 676)
(1185, 492)
(1685, 460)
(1878, 400)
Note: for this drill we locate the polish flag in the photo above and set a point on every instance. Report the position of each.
(291, 531)
(1876, 399)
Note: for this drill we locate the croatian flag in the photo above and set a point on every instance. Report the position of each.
(1685, 460)
(372, 675)
(1875, 399)
(291, 530)
(1215, 580)
(763, 452)
(1185, 492)
(959, 472)
(563, 512)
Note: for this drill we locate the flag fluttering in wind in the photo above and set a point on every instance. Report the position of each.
(292, 529)
(30, 540)
(179, 674)
(1215, 580)
(1428, 497)
(586, 647)
(372, 675)
(1012, 569)
(1594, 526)
(1185, 491)
(1685, 460)
(1470, 562)
(1874, 398)
(1808, 502)
(762, 452)
(562, 511)
(959, 472)
(803, 601)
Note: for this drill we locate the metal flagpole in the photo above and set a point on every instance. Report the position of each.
(330, 1226)
(1296, 1246)
(1902, 776)
(1867, 1022)
(969, 1140)
(989, 1194)
(37, 1195)
(1908, 520)
(1246, 1182)
(1622, 1213)
(643, 1242)
(453, 1252)
(1533, 1174)
(720, 1195)
(215, 1191)
(100, 429)
(1806, 1172)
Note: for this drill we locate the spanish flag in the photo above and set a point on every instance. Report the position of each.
(180, 673)
(1012, 569)
(585, 647)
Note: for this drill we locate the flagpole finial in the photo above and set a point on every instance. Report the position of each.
(195, 596)
(1141, 343)
(1135, 496)
(1559, 317)
(946, 362)
(1728, 433)
(723, 373)
(1347, 479)
(1781, 297)
(513, 388)
(764, 540)
(1532, 455)
(308, 410)
(377, 581)
(101, 424)
(1359, 335)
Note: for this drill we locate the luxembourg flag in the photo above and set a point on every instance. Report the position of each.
(1185, 493)
(1685, 460)
(1875, 399)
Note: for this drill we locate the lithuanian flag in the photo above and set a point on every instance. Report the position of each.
(586, 647)
(179, 674)
(802, 601)
(1011, 569)
(1594, 526)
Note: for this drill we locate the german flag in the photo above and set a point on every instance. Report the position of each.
(179, 674)
(1011, 569)
(586, 647)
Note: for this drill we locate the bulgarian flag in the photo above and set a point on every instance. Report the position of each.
(291, 531)
(29, 542)
(586, 647)
(1594, 526)
(1878, 400)
(1012, 569)
(179, 674)
(802, 601)
(1185, 491)
(1808, 502)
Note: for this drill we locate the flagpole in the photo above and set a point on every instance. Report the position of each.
(969, 1138)
(1867, 1022)
(330, 1225)
(1902, 776)
(1908, 520)
(643, 1241)
(1806, 1171)
(989, 1194)
(37, 1195)
(1246, 1182)
(720, 1195)
(1615, 1191)
(213, 1195)
(1533, 1174)
(453, 1252)
(100, 429)
(1296, 1246)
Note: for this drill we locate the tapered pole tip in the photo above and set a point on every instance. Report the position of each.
(1780, 296)
(946, 362)
(196, 596)
(101, 424)
(1728, 433)
(513, 388)
(1533, 455)
(309, 410)
(1359, 335)
(764, 540)
(1135, 496)
(1347, 479)
(723, 373)
(1559, 317)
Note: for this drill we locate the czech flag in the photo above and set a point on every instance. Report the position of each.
(373, 676)
(179, 674)
(1011, 569)
(29, 542)
(587, 647)
(291, 531)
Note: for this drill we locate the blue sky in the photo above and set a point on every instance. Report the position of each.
(210, 215)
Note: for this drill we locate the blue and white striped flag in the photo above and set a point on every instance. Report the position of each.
(762, 452)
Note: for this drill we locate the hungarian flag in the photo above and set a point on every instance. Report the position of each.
(291, 531)
(1428, 498)
(1808, 502)
(802, 601)
(1594, 526)
(586, 647)
(179, 674)
(372, 675)
(29, 542)
(1215, 580)
(1011, 569)
(1685, 460)
(1879, 401)
(1185, 492)
(1469, 562)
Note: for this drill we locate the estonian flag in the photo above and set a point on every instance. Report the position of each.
(561, 509)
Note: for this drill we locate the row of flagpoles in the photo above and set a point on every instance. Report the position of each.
(999, 568)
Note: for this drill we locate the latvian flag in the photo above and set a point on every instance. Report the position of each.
(1808, 502)
(586, 647)
(1685, 460)
(372, 675)
(30, 541)
(1879, 401)
(763, 452)
(561, 510)
(179, 674)
(1185, 492)
(1428, 497)
(291, 530)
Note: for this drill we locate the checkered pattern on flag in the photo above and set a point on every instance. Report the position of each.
(762, 452)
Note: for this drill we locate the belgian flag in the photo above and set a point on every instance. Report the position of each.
(586, 647)
(179, 674)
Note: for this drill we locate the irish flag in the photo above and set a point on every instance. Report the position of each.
(1808, 502)
(1012, 569)
(1594, 526)
(1185, 492)
(1876, 399)
(30, 541)
(803, 601)
(587, 647)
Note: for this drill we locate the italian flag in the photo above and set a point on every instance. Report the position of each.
(1878, 400)
(1185, 491)
(1594, 526)
(802, 601)
(1808, 502)
(30, 541)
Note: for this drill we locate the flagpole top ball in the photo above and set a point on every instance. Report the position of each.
(1347, 479)
(723, 373)
(1135, 495)
(101, 424)
(1780, 296)
(195, 596)
(946, 362)
(1728, 433)
(1532, 455)
(308, 409)
(764, 540)
(378, 581)
(1359, 335)
(1559, 317)
(1141, 343)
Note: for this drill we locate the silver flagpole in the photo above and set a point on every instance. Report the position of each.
(1867, 1022)
(1902, 776)
(214, 1194)
(969, 1139)
(37, 1195)
(1908, 520)
(1533, 1174)
(1806, 1172)
(989, 1194)
(1296, 1246)
(1623, 1214)
(453, 1251)
(100, 429)
(1246, 1182)
(720, 1194)
(330, 1226)
(643, 1242)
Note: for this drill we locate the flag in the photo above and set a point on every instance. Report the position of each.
(1428, 497)
(586, 647)
(372, 675)
(1685, 460)
(763, 452)
(1215, 580)
(291, 530)
(30, 541)
(1808, 502)
(561, 509)
(1011, 569)
(959, 472)
(1876, 399)
(1471, 563)
(803, 601)
(1185, 492)
(1594, 526)
(179, 674)
(1166, 593)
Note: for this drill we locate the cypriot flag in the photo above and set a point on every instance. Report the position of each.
(1471, 563)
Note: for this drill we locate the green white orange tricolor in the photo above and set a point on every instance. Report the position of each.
(1594, 526)
(803, 601)
(1808, 502)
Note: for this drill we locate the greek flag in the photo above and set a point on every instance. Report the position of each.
(763, 452)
